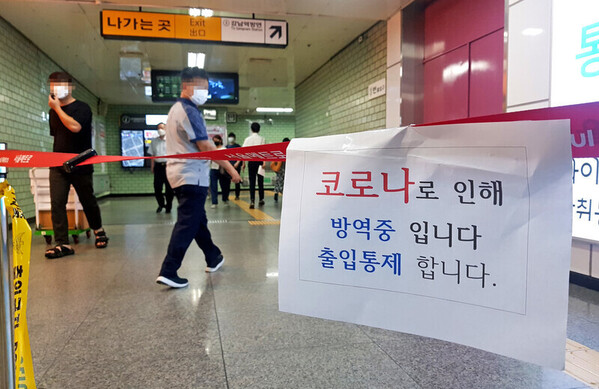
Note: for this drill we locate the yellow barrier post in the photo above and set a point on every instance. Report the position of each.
(23, 377)
(7, 374)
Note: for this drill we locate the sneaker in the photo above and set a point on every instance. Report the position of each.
(261, 202)
(159, 209)
(214, 268)
(172, 281)
(213, 206)
(252, 205)
(236, 197)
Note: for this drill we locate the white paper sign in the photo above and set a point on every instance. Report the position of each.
(376, 89)
(457, 232)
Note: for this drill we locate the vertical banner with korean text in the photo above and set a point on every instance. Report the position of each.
(458, 232)
(21, 247)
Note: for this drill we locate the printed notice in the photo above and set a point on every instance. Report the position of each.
(459, 232)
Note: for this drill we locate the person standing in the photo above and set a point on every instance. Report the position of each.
(238, 165)
(189, 178)
(71, 126)
(158, 167)
(216, 175)
(280, 176)
(253, 166)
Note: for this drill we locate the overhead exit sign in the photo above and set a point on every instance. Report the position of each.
(176, 27)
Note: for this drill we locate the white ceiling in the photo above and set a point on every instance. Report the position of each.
(69, 32)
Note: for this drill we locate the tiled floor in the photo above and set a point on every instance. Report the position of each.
(98, 320)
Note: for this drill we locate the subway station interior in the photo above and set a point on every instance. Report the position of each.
(98, 319)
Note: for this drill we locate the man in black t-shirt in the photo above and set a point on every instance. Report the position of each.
(71, 127)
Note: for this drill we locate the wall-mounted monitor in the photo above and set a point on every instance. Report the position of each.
(223, 87)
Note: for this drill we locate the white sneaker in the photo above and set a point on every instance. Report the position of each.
(217, 266)
(213, 206)
(173, 281)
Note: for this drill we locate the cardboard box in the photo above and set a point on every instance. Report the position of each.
(45, 220)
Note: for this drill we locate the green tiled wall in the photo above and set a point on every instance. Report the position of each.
(334, 100)
(24, 70)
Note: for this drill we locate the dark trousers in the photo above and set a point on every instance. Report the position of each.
(253, 173)
(238, 184)
(60, 184)
(225, 185)
(192, 224)
(160, 180)
(214, 178)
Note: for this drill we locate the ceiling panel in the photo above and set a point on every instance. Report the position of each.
(69, 32)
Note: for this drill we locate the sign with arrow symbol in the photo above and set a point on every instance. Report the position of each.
(276, 30)
(276, 33)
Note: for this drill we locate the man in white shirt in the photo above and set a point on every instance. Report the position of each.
(253, 166)
(189, 178)
(157, 149)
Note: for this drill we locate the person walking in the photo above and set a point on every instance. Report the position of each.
(189, 178)
(279, 168)
(158, 168)
(71, 126)
(253, 166)
(238, 165)
(216, 175)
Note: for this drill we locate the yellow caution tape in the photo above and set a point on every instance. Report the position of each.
(21, 243)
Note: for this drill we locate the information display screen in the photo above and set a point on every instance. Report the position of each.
(223, 87)
(132, 145)
(135, 143)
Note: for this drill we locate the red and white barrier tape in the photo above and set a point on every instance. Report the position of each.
(30, 159)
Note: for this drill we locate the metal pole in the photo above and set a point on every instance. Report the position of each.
(7, 374)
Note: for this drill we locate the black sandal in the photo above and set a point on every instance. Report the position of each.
(59, 252)
(101, 239)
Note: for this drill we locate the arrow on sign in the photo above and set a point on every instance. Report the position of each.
(276, 30)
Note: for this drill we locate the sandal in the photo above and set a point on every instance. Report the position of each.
(59, 252)
(101, 239)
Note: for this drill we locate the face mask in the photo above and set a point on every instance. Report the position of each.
(217, 143)
(161, 133)
(199, 96)
(231, 140)
(60, 92)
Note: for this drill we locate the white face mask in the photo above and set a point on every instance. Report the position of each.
(231, 140)
(161, 133)
(61, 91)
(199, 96)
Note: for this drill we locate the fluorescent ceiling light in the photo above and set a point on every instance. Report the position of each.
(205, 12)
(196, 59)
(274, 110)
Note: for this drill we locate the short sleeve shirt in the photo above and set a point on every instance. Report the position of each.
(158, 148)
(184, 127)
(66, 141)
(253, 140)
